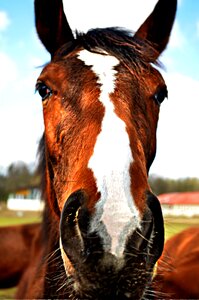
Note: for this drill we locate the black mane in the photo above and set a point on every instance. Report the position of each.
(114, 41)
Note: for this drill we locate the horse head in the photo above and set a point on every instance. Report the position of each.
(101, 96)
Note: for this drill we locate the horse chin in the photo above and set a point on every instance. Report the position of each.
(97, 273)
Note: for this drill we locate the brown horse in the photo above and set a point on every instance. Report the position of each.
(102, 227)
(15, 245)
(178, 268)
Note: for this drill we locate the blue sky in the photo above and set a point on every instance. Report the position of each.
(186, 57)
(21, 54)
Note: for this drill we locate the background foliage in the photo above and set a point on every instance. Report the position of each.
(161, 185)
(20, 175)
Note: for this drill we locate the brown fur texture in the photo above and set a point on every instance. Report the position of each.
(178, 268)
(15, 252)
(73, 118)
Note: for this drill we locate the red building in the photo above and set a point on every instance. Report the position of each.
(180, 204)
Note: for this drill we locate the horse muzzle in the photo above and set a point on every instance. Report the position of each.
(98, 274)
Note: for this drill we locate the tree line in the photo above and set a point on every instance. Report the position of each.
(161, 185)
(20, 175)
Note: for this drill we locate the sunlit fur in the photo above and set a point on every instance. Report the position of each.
(100, 95)
(85, 99)
(177, 274)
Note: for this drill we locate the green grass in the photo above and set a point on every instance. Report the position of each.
(18, 220)
(172, 226)
(175, 225)
(8, 217)
(7, 293)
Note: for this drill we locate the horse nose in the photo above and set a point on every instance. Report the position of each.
(87, 259)
(76, 239)
(81, 244)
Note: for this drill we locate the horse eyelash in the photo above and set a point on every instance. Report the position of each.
(160, 94)
(44, 90)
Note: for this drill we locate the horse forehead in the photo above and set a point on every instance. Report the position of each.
(101, 63)
(105, 70)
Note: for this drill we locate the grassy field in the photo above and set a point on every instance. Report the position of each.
(175, 225)
(8, 217)
(172, 226)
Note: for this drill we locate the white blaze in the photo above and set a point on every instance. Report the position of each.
(116, 214)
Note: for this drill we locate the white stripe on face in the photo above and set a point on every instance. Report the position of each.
(116, 215)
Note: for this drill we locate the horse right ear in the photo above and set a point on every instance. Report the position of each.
(157, 27)
(51, 24)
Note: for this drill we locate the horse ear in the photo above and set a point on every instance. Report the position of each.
(157, 27)
(51, 24)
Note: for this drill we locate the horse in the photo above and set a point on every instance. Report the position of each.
(177, 275)
(14, 252)
(102, 229)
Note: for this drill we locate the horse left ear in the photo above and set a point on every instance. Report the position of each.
(157, 27)
(51, 23)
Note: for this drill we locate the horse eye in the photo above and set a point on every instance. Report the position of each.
(160, 95)
(43, 90)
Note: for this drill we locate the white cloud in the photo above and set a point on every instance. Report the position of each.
(177, 39)
(105, 14)
(91, 14)
(35, 62)
(133, 14)
(21, 120)
(177, 138)
(4, 21)
(21, 128)
(8, 70)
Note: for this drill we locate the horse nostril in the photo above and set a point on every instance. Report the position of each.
(79, 244)
(139, 241)
(71, 238)
(146, 243)
(158, 226)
